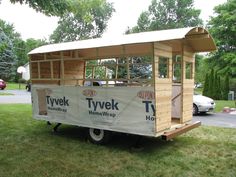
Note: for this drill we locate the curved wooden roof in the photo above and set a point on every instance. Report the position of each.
(197, 37)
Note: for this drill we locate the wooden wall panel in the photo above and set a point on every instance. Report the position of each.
(163, 88)
(56, 65)
(45, 70)
(52, 55)
(37, 57)
(106, 52)
(88, 53)
(187, 85)
(51, 82)
(74, 70)
(162, 50)
(138, 49)
(34, 70)
(117, 51)
(69, 54)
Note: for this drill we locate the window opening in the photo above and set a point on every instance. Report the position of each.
(163, 67)
(188, 70)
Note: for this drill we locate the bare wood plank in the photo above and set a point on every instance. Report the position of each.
(197, 36)
(39, 75)
(171, 134)
(162, 53)
(62, 77)
(51, 68)
(163, 80)
(158, 45)
(137, 49)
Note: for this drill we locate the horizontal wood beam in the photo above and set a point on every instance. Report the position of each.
(197, 36)
(171, 134)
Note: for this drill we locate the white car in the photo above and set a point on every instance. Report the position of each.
(202, 104)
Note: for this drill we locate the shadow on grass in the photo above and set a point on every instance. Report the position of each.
(119, 141)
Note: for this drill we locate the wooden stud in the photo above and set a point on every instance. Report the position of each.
(39, 75)
(76, 54)
(187, 85)
(116, 68)
(162, 88)
(51, 68)
(62, 77)
(127, 68)
(182, 82)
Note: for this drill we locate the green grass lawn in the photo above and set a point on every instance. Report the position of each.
(3, 94)
(220, 104)
(15, 86)
(29, 148)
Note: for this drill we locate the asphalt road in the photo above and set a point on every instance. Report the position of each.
(211, 119)
(19, 96)
(217, 119)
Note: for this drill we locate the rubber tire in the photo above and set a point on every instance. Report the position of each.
(195, 109)
(98, 136)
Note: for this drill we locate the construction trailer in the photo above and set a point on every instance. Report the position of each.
(138, 83)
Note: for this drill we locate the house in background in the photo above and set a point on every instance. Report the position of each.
(26, 74)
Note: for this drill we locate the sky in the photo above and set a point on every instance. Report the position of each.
(31, 24)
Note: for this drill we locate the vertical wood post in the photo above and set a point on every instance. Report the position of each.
(62, 76)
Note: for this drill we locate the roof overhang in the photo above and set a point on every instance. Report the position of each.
(198, 38)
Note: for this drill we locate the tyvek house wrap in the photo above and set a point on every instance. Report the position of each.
(129, 110)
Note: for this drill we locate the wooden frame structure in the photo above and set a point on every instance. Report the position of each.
(71, 64)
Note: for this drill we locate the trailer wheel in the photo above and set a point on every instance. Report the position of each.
(98, 136)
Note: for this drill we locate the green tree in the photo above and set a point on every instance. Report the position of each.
(223, 30)
(206, 86)
(9, 30)
(211, 83)
(213, 86)
(168, 14)
(50, 8)
(216, 87)
(7, 56)
(22, 48)
(199, 72)
(143, 23)
(15, 38)
(31, 44)
(220, 90)
(17, 48)
(226, 87)
(88, 20)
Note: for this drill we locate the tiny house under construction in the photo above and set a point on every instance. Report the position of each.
(137, 83)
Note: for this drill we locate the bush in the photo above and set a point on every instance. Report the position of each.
(215, 87)
(22, 81)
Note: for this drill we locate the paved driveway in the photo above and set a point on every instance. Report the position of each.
(217, 119)
(19, 96)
